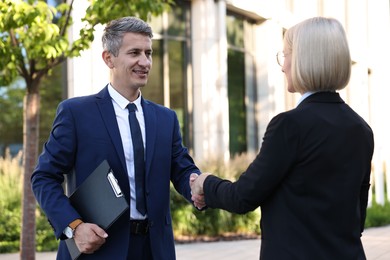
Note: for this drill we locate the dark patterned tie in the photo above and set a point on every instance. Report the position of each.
(139, 162)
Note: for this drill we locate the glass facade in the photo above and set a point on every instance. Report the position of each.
(168, 80)
(236, 96)
(240, 81)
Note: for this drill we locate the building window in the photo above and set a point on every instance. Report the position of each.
(171, 51)
(241, 87)
(236, 95)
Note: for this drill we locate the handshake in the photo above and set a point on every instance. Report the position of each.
(196, 184)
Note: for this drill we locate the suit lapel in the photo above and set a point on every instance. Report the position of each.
(150, 130)
(108, 114)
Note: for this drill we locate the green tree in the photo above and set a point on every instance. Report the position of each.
(34, 40)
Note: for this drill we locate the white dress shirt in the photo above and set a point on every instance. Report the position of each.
(122, 117)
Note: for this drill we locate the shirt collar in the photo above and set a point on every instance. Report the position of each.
(121, 100)
(305, 95)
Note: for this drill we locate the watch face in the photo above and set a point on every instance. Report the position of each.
(68, 232)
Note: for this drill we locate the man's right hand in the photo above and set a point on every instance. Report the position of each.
(196, 184)
(89, 237)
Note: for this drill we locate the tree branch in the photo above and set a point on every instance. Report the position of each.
(21, 66)
(67, 15)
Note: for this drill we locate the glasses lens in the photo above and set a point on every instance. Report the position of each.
(280, 58)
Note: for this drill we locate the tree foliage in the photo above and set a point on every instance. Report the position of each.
(34, 34)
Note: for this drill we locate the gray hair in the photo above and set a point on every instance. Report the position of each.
(115, 29)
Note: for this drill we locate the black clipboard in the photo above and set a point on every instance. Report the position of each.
(98, 200)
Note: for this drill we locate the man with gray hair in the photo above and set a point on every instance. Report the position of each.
(140, 140)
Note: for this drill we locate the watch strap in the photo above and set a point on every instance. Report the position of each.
(74, 224)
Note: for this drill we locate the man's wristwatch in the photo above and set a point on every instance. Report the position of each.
(69, 230)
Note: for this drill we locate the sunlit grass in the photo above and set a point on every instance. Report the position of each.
(10, 181)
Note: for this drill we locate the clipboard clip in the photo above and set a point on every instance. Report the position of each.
(114, 184)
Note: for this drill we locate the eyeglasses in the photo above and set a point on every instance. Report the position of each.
(280, 58)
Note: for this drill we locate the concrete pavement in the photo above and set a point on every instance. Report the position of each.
(376, 242)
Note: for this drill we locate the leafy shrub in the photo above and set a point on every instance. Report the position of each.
(378, 215)
(10, 202)
(45, 238)
(10, 208)
(10, 233)
(188, 221)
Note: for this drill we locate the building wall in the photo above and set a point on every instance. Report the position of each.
(209, 56)
(88, 73)
(367, 26)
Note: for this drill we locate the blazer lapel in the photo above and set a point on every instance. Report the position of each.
(108, 114)
(150, 130)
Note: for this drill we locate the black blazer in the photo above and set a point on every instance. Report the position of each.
(310, 179)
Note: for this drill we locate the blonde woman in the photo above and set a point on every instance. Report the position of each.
(311, 176)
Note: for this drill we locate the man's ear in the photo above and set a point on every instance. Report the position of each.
(107, 57)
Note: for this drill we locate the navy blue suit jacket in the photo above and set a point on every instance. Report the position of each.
(310, 179)
(84, 133)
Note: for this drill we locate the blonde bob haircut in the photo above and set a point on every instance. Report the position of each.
(320, 57)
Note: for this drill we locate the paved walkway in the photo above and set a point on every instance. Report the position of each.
(376, 242)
